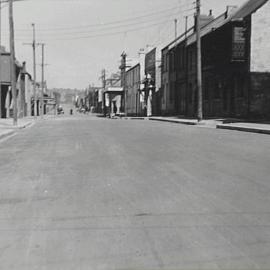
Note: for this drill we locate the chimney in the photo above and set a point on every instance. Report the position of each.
(204, 19)
(230, 10)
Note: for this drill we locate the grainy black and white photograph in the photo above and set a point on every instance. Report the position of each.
(134, 135)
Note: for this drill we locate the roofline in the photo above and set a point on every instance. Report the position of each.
(155, 48)
(234, 16)
(179, 37)
(231, 17)
(133, 67)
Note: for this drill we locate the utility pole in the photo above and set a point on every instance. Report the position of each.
(12, 63)
(123, 77)
(0, 56)
(175, 28)
(34, 69)
(103, 79)
(199, 62)
(42, 80)
(33, 44)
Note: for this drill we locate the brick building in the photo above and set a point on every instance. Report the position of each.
(234, 70)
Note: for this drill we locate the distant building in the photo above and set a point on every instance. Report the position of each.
(26, 93)
(143, 84)
(113, 98)
(152, 80)
(133, 82)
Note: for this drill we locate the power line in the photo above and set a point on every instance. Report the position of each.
(147, 15)
(106, 34)
(51, 39)
(110, 33)
(125, 28)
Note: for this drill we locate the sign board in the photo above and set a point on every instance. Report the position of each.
(239, 44)
(150, 60)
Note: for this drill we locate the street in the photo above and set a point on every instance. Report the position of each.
(83, 192)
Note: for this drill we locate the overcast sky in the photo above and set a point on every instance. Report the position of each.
(84, 36)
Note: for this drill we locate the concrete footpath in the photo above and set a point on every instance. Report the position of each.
(239, 125)
(247, 127)
(8, 129)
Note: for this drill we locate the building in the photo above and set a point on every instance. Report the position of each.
(6, 102)
(235, 71)
(152, 80)
(93, 99)
(26, 93)
(260, 62)
(134, 104)
(166, 95)
(113, 99)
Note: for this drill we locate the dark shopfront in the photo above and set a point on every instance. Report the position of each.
(225, 73)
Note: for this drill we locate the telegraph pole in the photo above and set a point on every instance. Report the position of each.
(103, 79)
(34, 69)
(33, 44)
(42, 79)
(0, 53)
(12, 63)
(199, 62)
(123, 77)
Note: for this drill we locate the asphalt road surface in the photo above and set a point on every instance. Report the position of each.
(82, 192)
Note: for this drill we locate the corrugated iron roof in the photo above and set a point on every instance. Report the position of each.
(213, 25)
(248, 8)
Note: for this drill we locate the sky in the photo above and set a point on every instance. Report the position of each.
(84, 36)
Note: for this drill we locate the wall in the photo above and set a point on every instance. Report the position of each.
(260, 95)
(5, 68)
(132, 87)
(260, 40)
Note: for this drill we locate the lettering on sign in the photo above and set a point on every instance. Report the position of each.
(238, 46)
